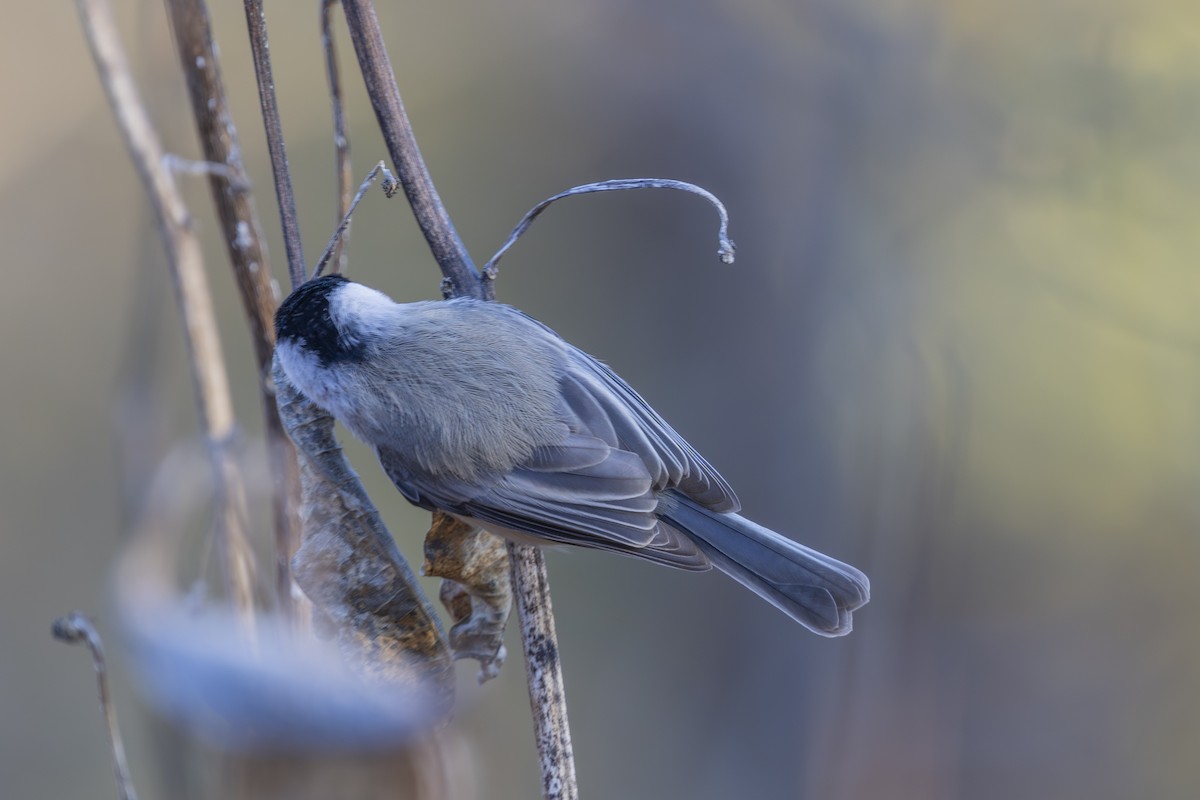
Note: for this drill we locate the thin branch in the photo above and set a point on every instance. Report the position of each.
(256, 23)
(543, 671)
(75, 628)
(192, 295)
(432, 217)
(247, 250)
(725, 247)
(187, 166)
(389, 189)
(341, 139)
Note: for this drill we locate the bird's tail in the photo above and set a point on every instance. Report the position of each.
(817, 591)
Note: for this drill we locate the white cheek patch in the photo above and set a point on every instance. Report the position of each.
(304, 370)
(337, 389)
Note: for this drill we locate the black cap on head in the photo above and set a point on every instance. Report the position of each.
(304, 317)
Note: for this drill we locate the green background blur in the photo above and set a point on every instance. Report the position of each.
(959, 349)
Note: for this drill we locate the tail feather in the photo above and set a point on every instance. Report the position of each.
(817, 591)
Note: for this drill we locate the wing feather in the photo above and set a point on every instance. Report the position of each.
(607, 505)
(598, 487)
(671, 461)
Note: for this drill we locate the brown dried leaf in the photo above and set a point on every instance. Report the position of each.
(476, 590)
(366, 594)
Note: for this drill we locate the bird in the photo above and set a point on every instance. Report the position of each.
(480, 411)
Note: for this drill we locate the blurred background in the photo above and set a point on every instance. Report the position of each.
(958, 349)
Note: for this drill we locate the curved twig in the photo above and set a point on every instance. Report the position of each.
(75, 628)
(389, 189)
(725, 249)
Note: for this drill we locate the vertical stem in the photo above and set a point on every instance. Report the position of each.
(431, 214)
(341, 140)
(256, 22)
(543, 669)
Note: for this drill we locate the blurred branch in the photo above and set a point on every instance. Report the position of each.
(139, 413)
(295, 701)
(431, 214)
(256, 23)
(192, 295)
(242, 230)
(75, 628)
(341, 140)
(187, 166)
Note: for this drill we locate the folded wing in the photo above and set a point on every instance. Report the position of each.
(598, 487)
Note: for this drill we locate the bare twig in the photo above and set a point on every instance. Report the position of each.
(192, 295)
(431, 214)
(543, 670)
(248, 255)
(341, 139)
(256, 22)
(389, 188)
(187, 166)
(725, 247)
(75, 628)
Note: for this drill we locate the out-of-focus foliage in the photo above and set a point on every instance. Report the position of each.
(959, 349)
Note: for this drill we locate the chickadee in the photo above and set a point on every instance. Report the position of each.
(479, 411)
